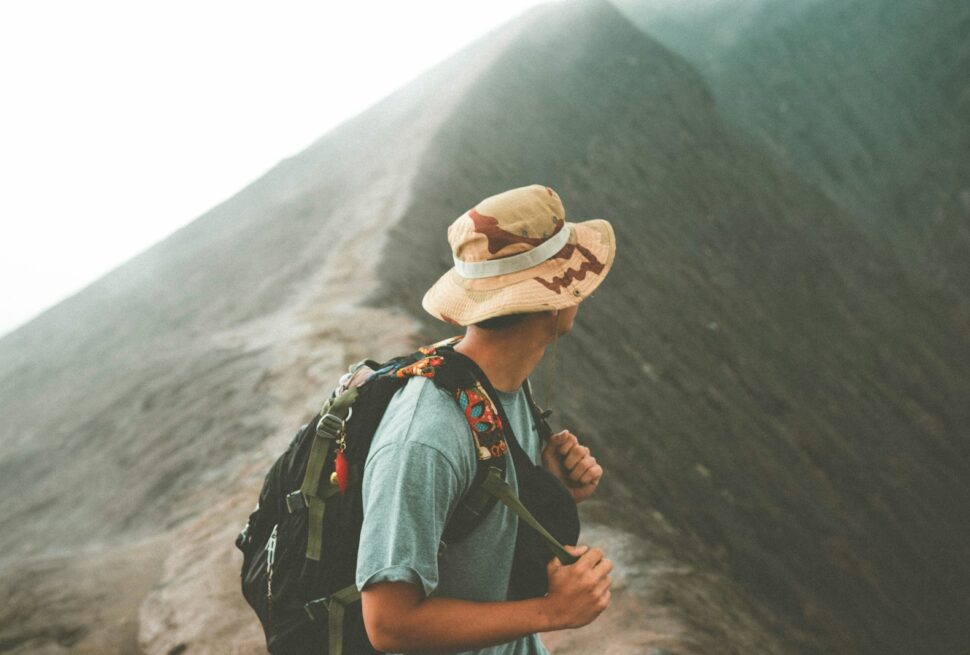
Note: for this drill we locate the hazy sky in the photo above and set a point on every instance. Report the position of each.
(122, 121)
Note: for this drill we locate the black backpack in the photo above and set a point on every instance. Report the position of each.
(300, 543)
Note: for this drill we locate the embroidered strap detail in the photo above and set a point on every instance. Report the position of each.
(430, 350)
(483, 418)
(477, 406)
(425, 368)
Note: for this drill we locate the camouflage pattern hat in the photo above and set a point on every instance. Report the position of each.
(515, 253)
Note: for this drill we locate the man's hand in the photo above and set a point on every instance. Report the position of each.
(578, 593)
(572, 464)
(399, 618)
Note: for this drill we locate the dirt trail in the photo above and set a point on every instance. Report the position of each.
(83, 603)
(197, 605)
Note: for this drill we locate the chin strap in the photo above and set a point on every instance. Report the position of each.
(539, 416)
(551, 379)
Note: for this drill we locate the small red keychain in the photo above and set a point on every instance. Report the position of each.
(342, 470)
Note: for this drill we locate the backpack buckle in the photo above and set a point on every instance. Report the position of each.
(296, 501)
(330, 426)
(333, 604)
(318, 609)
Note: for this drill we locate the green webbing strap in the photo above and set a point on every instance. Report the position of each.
(477, 502)
(341, 404)
(336, 628)
(314, 538)
(469, 513)
(314, 467)
(495, 485)
(335, 605)
(329, 429)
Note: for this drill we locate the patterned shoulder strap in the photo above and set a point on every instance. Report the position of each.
(479, 409)
(485, 422)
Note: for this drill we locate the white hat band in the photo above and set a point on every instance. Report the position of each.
(515, 263)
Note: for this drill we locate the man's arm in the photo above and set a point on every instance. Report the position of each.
(399, 618)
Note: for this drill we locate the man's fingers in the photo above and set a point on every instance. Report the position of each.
(550, 452)
(592, 475)
(604, 567)
(575, 551)
(575, 455)
(603, 593)
(578, 467)
(564, 441)
(589, 559)
(604, 586)
(577, 473)
(559, 436)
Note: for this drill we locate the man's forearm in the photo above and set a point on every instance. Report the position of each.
(404, 623)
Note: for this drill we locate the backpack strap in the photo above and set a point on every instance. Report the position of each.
(497, 487)
(329, 433)
(461, 377)
(491, 435)
(490, 485)
(539, 417)
(332, 609)
(465, 383)
(331, 429)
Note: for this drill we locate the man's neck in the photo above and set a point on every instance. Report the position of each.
(508, 357)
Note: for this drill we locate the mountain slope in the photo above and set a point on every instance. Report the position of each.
(154, 399)
(777, 407)
(870, 101)
(756, 371)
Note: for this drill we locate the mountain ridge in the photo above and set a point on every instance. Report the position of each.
(866, 100)
(777, 406)
(745, 225)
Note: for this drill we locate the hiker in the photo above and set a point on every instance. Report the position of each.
(520, 274)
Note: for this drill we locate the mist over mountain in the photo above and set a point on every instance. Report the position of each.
(867, 99)
(779, 404)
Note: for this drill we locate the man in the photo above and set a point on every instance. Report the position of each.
(520, 273)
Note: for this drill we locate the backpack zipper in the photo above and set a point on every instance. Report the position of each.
(270, 558)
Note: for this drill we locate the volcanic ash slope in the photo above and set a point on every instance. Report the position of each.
(755, 375)
(778, 408)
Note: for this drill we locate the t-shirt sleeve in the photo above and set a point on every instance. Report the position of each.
(409, 491)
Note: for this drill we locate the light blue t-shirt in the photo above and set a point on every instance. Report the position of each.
(422, 461)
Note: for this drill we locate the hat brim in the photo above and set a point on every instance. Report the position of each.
(561, 281)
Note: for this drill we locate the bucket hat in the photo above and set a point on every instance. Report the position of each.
(515, 253)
